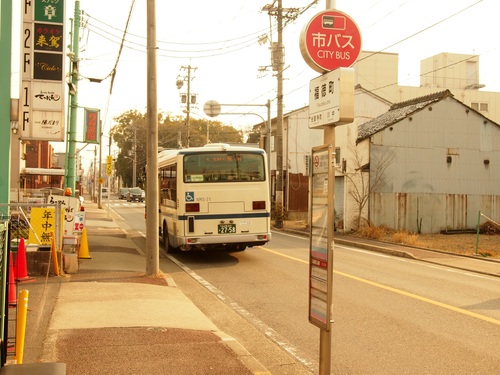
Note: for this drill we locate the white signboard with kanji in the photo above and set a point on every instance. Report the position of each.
(331, 98)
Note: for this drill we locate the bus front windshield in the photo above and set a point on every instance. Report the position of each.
(224, 167)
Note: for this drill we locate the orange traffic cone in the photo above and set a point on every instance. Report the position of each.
(83, 251)
(21, 267)
(12, 284)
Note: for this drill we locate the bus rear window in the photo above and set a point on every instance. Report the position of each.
(224, 167)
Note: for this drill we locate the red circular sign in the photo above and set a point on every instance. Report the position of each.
(330, 40)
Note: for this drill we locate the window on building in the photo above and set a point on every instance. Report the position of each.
(480, 106)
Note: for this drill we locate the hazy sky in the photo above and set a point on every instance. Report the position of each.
(220, 39)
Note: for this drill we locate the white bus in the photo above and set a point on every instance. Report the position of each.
(214, 197)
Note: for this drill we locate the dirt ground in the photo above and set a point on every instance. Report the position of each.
(487, 245)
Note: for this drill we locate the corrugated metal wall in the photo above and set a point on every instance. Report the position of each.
(431, 213)
(298, 192)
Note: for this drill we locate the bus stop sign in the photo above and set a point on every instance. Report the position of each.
(330, 40)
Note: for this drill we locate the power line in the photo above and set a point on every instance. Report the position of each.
(403, 40)
(423, 30)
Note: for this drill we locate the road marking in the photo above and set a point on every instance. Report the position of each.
(421, 298)
(400, 292)
(269, 332)
(284, 255)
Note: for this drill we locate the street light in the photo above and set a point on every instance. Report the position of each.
(134, 166)
(134, 159)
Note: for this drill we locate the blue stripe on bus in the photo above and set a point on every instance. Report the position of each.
(225, 216)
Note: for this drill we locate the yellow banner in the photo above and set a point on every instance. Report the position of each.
(43, 223)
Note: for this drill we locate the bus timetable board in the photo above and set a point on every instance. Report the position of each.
(321, 238)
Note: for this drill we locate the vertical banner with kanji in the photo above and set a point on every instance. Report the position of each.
(41, 97)
(92, 128)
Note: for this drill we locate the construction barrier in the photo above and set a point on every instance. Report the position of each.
(21, 266)
(54, 254)
(12, 284)
(83, 251)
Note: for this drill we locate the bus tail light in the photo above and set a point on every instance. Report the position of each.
(259, 205)
(192, 207)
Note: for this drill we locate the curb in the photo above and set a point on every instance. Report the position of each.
(243, 355)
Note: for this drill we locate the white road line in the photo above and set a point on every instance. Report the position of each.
(259, 324)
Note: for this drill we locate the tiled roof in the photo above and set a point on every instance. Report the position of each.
(398, 112)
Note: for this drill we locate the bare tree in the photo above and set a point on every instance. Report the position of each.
(366, 174)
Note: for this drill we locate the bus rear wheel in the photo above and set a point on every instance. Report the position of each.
(166, 243)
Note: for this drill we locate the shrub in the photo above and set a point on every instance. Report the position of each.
(278, 212)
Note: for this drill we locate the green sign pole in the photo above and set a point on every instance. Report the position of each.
(5, 72)
(70, 176)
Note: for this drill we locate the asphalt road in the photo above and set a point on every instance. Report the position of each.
(392, 315)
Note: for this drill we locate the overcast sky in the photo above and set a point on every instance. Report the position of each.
(220, 39)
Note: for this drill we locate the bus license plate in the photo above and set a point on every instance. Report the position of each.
(226, 228)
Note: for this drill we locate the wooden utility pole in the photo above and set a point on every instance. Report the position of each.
(279, 115)
(278, 65)
(187, 98)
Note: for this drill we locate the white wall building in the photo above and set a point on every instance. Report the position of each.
(376, 88)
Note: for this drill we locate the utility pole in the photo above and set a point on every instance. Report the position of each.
(278, 65)
(152, 186)
(187, 98)
(70, 171)
(279, 114)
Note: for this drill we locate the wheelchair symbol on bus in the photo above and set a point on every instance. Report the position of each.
(189, 196)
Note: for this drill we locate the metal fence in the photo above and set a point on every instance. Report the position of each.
(38, 226)
(36, 223)
(4, 256)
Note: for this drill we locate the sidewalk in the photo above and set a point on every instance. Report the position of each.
(109, 318)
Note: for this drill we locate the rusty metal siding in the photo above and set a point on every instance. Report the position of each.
(298, 192)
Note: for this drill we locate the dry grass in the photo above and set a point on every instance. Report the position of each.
(405, 238)
(465, 243)
(487, 245)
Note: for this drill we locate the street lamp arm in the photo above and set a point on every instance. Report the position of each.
(244, 113)
(245, 105)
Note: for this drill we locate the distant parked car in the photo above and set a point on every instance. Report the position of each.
(135, 194)
(104, 193)
(123, 193)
